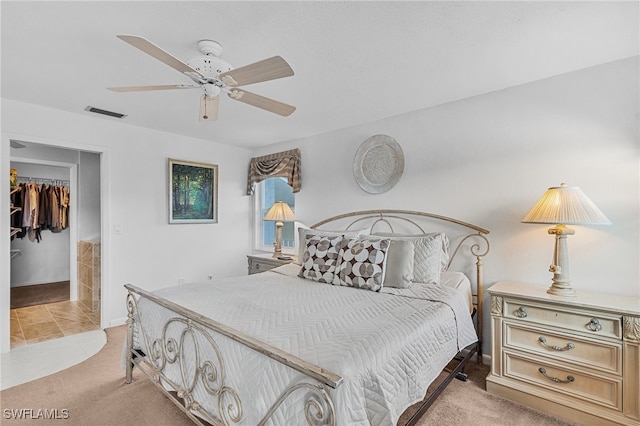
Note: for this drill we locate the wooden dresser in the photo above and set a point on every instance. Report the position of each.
(574, 357)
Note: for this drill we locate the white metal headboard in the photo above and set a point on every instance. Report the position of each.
(471, 237)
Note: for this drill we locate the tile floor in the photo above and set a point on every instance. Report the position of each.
(48, 338)
(39, 323)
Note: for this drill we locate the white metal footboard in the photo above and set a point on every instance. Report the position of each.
(193, 336)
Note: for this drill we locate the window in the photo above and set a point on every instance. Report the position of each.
(268, 192)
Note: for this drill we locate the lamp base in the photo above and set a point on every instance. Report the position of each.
(277, 245)
(561, 284)
(561, 289)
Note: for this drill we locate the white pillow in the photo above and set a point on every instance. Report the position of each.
(400, 261)
(298, 242)
(303, 231)
(431, 254)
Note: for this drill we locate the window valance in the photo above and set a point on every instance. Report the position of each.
(281, 164)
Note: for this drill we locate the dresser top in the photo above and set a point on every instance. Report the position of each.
(585, 299)
(268, 257)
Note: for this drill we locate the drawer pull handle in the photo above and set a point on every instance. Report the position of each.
(543, 342)
(594, 325)
(555, 379)
(521, 312)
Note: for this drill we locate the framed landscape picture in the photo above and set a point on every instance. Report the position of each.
(193, 192)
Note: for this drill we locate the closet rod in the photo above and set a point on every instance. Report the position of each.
(50, 181)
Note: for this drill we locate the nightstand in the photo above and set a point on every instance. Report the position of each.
(264, 262)
(574, 357)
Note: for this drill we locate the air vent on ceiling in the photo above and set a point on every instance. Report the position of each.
(104, 112)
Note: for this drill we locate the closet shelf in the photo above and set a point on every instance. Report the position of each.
(14, 231)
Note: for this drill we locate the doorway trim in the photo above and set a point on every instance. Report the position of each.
(105, 225)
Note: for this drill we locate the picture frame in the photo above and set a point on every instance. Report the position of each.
(193, 192)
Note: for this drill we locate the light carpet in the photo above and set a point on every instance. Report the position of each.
(94, 393)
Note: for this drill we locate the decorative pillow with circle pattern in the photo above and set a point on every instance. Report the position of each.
(320, 257)
(302, 231)
(361, 263)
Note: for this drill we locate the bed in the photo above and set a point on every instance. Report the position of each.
(320, 342)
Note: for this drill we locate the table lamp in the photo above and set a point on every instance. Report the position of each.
(564, 205)
(279, 212)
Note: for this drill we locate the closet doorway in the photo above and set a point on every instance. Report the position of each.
(56, 272)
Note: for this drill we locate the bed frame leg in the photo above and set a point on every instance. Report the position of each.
(462, 376)
(129, 361)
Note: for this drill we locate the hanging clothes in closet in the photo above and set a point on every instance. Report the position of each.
(44, 207)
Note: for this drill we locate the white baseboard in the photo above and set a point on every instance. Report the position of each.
(486, 359)
(117, 322)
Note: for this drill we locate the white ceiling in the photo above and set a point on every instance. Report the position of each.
(354, 62)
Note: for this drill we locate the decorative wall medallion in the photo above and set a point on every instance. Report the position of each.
(379, 164)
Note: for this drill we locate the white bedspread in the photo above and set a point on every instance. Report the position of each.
(387, 346)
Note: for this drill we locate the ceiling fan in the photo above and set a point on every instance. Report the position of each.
(215, 75)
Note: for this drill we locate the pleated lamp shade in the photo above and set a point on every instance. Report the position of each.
(280, 212)
(566, 205)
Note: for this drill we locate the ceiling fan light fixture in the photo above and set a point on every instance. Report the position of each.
(211, 90)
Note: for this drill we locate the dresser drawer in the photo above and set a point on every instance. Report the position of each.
(593, 389)
(587, 323)
(588, 353)
(261, 263)
(256, 266)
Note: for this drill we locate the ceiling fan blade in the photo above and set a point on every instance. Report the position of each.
(145, 88)
(261, 102)
(209, 108)
(265, 70)
(151, 49)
